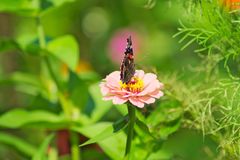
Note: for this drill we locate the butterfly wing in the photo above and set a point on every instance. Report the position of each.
(127, 70)
(127, 67)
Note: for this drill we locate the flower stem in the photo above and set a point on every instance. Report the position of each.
(132, 117)
(42, 43)
(75, 150)
(41, 35)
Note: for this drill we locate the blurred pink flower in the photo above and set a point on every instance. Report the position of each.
(143, 88)
(116, 44)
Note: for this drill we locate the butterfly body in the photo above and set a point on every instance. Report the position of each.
(127, 66)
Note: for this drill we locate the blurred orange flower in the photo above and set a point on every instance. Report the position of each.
(82, 66)
(231, 4)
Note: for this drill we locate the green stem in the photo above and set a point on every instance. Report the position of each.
(41, 35)
(132, 117)
(75, 150)
(53, 154)
(42, 42)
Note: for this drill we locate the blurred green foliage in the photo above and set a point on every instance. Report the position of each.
(54, 53)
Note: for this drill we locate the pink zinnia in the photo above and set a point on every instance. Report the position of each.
(142, 89)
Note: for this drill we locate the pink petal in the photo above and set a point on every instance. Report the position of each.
(139, 74)
(161, 85)
(148, 78)
(128, 95)
(147, 99)
(150, 88)
(156, 94)
(113, 79)
(119, 91)
(105, 90)
(136, 102)
(119, 100)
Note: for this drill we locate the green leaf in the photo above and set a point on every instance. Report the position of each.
(165, 119)
(101, 107)
(109, 131)
(76, 87)
(17, 143)
(167, 111)
(122, 108)
(113, 146)
(19, 118)
(22, 7)
(167, 129)
(20, 78)
(89, 76)
(30, 7)
(47, 5)
(8, 44)
(60, 2)
(71, 111)
(160, 154)
(27, 38)
(40, 154)
(143, 127)
(65, 49)
(26, 83)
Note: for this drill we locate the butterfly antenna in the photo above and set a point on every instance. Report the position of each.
(129, 45)
(129, 41)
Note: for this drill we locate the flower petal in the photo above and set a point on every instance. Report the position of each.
(104, 89)
(156, 94)
(113, 79)
(147, 99)
(161, 85)
(135, 101)
(139, 74)
(148, 78)
(119, 100)
(150, 88)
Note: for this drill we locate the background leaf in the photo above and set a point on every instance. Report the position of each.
(24, 82)
(8, 45)
(20, 117)
(109, 131)
(22, 7)
(100, 106)
(112, 145)
(41, 153)
(18, 144)
(143, 127)
(65, 49)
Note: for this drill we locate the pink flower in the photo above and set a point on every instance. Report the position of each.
(142, 89)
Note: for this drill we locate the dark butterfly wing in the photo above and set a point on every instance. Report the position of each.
(127, 66)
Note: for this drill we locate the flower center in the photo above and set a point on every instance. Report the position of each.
(135, 85)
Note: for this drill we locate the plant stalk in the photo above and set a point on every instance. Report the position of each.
(132, 117)
(41, 35)
(75, 150)
(42, 43)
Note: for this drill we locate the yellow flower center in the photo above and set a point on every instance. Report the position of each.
(135, 85)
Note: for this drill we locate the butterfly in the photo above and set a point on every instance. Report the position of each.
(127, 66)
